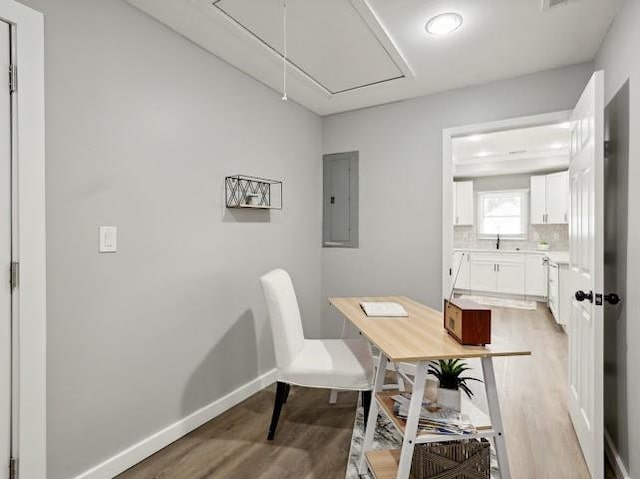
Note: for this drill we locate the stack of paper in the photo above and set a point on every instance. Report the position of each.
(382, 309)
(434, 418)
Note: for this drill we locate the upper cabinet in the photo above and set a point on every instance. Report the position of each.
(550, 198)
(463, 203)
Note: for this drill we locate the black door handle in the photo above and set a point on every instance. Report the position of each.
(581, 296)
(612, 298)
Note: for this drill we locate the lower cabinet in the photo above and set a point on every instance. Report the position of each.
(510, 277)
(506, 273)
(482, 275)
(460, 270)
(497, 273)
(536, 275)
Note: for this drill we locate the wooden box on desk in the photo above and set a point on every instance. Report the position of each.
(468, 322)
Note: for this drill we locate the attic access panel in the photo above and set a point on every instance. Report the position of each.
(328, 40)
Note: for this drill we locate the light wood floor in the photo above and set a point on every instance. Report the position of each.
(313, 437)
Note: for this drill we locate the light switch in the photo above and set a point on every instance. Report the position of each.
(108, 239)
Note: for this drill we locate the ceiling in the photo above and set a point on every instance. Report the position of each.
(348, 54)
(524, 150)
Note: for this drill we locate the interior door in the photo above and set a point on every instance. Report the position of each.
(586, 237)
(5, 253)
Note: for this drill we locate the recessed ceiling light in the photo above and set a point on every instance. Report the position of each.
(443, 24)
(557, 145)
(482, 154)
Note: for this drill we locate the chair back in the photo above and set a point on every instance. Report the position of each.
(284, 314)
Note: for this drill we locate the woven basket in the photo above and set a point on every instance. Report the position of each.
(452, 460)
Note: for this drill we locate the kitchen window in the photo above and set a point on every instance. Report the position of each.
(503, 213)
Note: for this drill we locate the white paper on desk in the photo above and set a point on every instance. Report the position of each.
(383, 309)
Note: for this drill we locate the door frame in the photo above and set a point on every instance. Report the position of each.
(448, 134)
(29, 241)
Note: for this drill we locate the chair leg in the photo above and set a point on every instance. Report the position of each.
(277, 407)
(366, 405)
(286, 393)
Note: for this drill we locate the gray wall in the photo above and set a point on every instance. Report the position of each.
(400, 148)
(618, 57)
(142, 127)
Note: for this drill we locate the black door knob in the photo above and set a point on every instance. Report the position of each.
(612, 298)
(581, 296)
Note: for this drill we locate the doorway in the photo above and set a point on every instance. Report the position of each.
(5, 256)
(566, 287)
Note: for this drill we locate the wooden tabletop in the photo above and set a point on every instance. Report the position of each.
(420, 336)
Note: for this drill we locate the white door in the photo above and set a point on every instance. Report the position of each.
(538, 199)
(510, 277)
(586, 238)
(5, 253)
(557, 198)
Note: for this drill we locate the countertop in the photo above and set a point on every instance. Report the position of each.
(558, 257)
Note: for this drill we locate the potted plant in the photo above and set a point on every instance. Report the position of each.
(449, 373)
(543, 245)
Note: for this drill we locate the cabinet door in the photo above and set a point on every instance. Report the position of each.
(464, 203)
(556, 199)
(536, 275)
(455, 203)
(538, 199)
(482, 276)
(461, 268)
(510, 278)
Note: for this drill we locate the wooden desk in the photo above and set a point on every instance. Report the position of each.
(419, 338)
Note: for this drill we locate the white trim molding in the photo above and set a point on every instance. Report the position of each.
(152, 444)
(614, 457)
(29, 241)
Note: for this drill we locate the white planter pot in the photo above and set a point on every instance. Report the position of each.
(450, 398)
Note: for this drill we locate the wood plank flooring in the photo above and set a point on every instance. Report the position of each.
(313, 437)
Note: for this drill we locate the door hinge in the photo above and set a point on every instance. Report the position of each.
(12, 468)
(14, 274)
(607, 148)
(13, 78)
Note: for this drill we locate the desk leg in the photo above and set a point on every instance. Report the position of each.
(496, 417)
(373, 413)
(333, 396)
(411, 429)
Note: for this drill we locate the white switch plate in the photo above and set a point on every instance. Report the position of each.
(108, 239)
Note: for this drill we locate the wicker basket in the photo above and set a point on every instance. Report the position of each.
(452, 460)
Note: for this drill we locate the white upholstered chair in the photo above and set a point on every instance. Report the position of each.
(343, 364)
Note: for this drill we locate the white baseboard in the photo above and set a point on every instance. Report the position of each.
(614, 457)
(152, 444)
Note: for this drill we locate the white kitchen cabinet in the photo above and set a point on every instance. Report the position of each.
(483, 275)
(538, 199)
(463, 203)
(550, 198)
(460, 267)
(510, 277)
(535, 275)
(557, 196)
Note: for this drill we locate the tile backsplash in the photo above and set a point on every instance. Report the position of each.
(556, 235)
